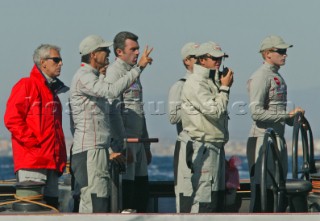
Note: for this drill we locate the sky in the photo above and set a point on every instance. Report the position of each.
(166, 25)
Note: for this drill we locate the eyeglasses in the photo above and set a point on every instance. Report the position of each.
(55, 59)
(280, 51)
(215, 58)
(106, 49)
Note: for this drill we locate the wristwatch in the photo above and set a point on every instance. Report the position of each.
(141, 68)
(225, 89)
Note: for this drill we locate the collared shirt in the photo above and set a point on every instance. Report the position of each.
(55, 84)
(49, 79)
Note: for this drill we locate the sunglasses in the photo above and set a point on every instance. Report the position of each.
(106, 49)
(215, 58)
(55, 59)
(280, 51)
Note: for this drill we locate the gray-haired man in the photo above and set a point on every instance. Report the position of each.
(34, 118)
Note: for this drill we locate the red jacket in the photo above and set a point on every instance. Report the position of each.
(34, 118)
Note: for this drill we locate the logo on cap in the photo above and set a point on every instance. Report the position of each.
(217, 47)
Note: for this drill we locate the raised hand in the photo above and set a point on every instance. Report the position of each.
(227, 80)
(103, 70)
(145, 59)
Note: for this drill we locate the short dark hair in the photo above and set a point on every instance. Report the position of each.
(120, 38)
(85, 58)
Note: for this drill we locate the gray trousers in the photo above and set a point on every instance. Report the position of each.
(183, 185)
(208, 178)
(91, 172)
(135, 181)
(49, 177)
(139, 166)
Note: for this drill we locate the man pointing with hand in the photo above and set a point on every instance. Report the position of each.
(127, 119)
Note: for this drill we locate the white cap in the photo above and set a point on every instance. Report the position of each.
(91, 43)
(189, 49)
(274, 41)
(211, 48)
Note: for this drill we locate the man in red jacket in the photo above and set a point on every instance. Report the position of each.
(34, 118)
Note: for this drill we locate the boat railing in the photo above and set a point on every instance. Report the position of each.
(310, 165)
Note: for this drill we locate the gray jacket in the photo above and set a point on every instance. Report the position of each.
(204, 107)
(174, 102)
(90, 108)
(127, 115)
(268, 100)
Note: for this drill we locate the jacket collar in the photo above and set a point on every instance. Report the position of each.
(55, 85)
(188, 74)
(124, 64)
(36, 73)
(199, 70)
(273, 68)
(205, 72)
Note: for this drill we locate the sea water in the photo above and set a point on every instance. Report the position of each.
(160, 169)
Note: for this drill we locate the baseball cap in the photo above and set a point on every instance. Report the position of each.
(274, 41)
(211, 48)
(91, 43)
(189, 49)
